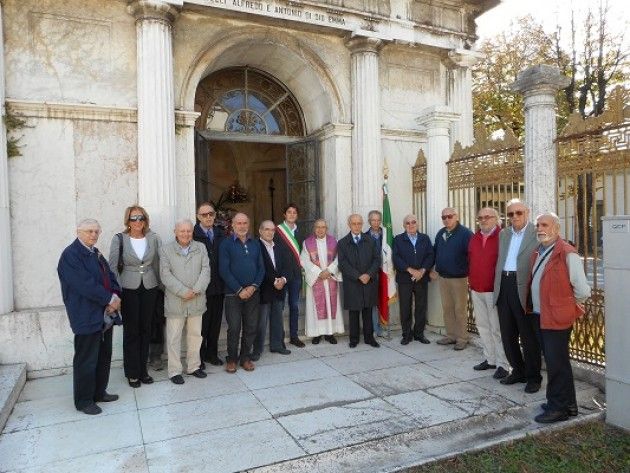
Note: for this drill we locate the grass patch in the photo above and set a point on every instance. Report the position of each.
(591, 447)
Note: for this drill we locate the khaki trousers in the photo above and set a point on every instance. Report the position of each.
(454, 294)
(174, 327)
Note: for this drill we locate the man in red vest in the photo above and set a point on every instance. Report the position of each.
(558, 289)
(483, 252)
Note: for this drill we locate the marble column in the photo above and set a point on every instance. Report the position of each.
(460, 62)
(539, 85)
(6, 264)
(367, 162)
(156, 112)
(185, 153)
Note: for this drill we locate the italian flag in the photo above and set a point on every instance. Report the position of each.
(387, 282)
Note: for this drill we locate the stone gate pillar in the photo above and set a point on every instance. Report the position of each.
(460, 94)
(6, 264)
(156, 112)
(539, 85)
(367, 163)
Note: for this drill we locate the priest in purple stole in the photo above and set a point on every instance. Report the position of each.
(323, 307)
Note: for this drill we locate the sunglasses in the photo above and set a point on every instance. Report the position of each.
(137, 218)
(412, 222)
(444, 217)
(207, 214)
(485, 217)
(519, 213)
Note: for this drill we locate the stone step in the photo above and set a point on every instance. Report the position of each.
(12, 380)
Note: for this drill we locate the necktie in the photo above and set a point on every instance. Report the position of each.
(210, 234)
(356, 239)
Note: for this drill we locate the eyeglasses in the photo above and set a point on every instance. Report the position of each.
(412, 222)
(444, 217)
(485, 217)
(519, 213)
(207, 214)
(137, 218)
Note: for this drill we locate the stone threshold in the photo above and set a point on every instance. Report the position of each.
(12, 380)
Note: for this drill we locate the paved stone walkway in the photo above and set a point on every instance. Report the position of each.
(322, 408)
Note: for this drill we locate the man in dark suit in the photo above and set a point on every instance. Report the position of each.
(291, 236)
(516, 245)
(413, 260)
(272, 292)
(360, 262)
(211, 236)
(91, 296)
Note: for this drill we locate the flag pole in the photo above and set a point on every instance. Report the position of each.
(387, 226)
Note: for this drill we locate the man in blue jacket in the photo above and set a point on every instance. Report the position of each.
(242, 269)
(413, 260)
(451, 268)
(90, 293)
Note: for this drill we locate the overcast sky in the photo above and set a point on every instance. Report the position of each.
(549, 13)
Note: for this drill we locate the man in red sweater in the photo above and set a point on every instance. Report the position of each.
(483, 251)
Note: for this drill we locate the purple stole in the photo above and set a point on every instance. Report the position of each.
(319, 292)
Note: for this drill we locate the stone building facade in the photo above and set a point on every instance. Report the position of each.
(168, 102)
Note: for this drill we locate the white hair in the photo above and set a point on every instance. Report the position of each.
(88, 222)
(551, 215)
(516, 201)
(409, 216)
(182, 222)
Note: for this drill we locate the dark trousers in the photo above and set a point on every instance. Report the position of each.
(272, 313)
(368, 330)
(560, 386)
(416, 293)
(294, 286)
(241, 314)
(514, 323)
(156, 347)
(138, 310)
(90, 367)
(211, 326)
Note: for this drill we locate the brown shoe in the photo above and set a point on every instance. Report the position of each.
(230, 367)
(248, 365)
(445, 341)
(460, 345)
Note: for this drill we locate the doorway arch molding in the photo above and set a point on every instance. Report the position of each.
(231, 49)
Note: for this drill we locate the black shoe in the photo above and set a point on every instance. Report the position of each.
(91, 410)
(316, 340)
(146, 380)
(572, 410)
(178, 379)
(422, 339)
(134, 383)
(549, 417)
(532, 387)
(353, 344)
(405, 341)
(297, 342)
(330, 339)
(254, 356)
(484, 365)
(373, 343)
(202, 366)
(512, 379)
(282, 351)
(110, 398)
(214, 361)
(500, 373)
(199, 373)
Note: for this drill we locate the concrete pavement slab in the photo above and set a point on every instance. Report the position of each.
(426, 409)
(286, 373)
(367, 360)
(471, 398)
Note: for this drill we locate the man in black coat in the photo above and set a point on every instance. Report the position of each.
(360, 262)
(413, 260)
(272, 293)
(211, 235)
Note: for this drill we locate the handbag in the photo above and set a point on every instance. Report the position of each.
(121, 264)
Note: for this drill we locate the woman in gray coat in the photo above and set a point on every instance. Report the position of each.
(134, 257)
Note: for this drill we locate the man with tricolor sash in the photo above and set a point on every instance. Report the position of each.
(323, 316)
(290, 236)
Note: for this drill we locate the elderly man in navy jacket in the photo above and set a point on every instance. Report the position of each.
(90, 292)
(413, 260)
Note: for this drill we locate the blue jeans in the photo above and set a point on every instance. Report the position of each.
(293, 289)
(271, 312)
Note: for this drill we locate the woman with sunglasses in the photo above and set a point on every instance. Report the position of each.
(134, 257)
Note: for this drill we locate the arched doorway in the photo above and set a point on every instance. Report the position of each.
(251, 150)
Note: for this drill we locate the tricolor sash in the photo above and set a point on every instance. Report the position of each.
(287, 236)
(319, 291)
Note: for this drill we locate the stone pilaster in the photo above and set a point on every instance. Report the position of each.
(367, 163)
(539, 85)
(185, 149)
(460, 94)
(156, 112)
(6, 264)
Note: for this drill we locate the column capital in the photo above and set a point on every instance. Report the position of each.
(186, 118)
(162, 10)
(464, 58)
(364, 44)
(540, 80)
(435, 117)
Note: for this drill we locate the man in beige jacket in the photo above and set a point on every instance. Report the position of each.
(185, 273)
